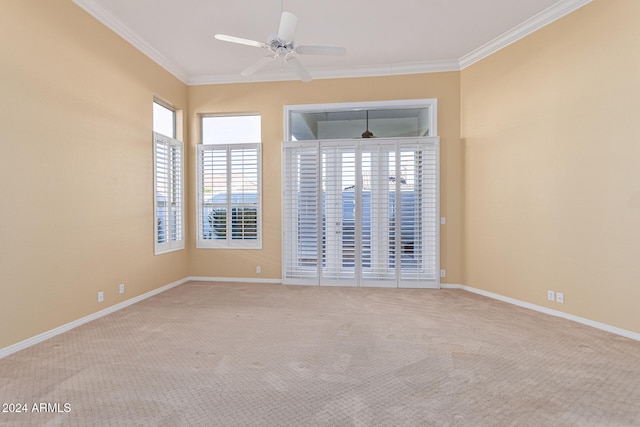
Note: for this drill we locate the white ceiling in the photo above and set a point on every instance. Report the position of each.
(381, 37)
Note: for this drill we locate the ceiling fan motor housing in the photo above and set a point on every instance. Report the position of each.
(280, 47)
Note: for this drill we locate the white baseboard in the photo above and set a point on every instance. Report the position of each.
(235, 280)
(66, 327)
(602, 326)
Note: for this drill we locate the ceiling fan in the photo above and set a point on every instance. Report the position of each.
(281, 46)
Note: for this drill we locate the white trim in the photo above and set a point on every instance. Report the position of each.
(602, 326)
(235, 280)
(94, 9)
(71, 325)
(371, 71)
(531, 25)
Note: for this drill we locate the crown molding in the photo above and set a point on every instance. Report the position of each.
(101, 14)
(373, 71)
(542, 19)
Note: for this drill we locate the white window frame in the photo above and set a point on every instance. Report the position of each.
(431, 103)
(173, 175)
(201, 205)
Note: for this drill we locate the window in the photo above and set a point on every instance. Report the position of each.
(229, 183)
(168, 165)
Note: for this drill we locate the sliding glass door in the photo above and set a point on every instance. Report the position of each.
(361, 212)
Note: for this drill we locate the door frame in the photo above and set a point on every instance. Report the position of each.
(431, 104)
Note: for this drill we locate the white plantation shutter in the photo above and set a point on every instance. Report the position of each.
(419, 214)
(361, 212)
(302, 213)
(229, 196)
(168, 197)
(338, 219)
(378, 221)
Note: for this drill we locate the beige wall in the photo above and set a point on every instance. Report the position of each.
(76, 182)
(269, 100)
(552, 166)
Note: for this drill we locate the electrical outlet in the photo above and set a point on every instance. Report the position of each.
(551, 296)
(258, 269)
(443, 273)
(100, 296)
(443, 220)
(560, 297)
(121, 288)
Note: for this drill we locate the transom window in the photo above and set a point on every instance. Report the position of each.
(390, 119)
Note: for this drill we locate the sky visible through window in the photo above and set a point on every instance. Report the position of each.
(163, 120)
(231, 129)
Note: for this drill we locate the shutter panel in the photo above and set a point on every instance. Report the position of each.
(419, 224)
(162, 187)
(212, 166)
(338, 214)
(301, 213)
(177, 191)
(169, 194)
(244, 172)
(378, 219)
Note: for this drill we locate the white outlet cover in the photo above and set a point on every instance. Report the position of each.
(100, 296)
(560, 297)
(551, 296)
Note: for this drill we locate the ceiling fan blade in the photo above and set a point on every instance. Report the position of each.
(288, 23)
(299, 69)
(255, 67)
(321, 50)
(232, 39)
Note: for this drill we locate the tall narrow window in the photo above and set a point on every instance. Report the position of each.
(229, 183)
(168, 182)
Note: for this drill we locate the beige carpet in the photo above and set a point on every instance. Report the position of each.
(270, 355)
